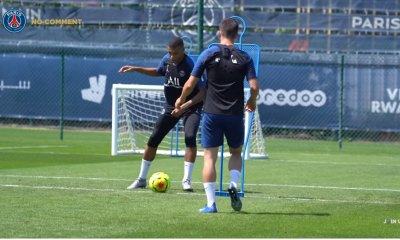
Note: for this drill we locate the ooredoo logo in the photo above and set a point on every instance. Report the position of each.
(280, 97)
(14, 21)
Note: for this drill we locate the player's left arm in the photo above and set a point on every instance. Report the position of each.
(251, 76)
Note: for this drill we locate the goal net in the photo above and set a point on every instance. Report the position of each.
(136, 109)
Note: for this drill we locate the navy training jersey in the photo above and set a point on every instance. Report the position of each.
(226, 68)
(175, 79)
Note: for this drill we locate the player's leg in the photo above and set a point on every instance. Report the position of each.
(211, 138)
(235, 168)
(209, 178)
(162, 127)
(234, 133)
(191, 122)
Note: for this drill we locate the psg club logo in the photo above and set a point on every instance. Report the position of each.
(14, 21)
(185, 12)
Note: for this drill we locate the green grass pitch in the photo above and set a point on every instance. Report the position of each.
(75, 189)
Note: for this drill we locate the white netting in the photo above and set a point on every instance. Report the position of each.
(256, 141)
(137, 111)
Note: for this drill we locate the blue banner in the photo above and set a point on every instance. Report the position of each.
(299, 96)
(136, 38)
(300, 91)
(153, 3)
(382, 5)
(186, 15)
(30, 87)
(35, 91)
(372, 97)
(361, 5)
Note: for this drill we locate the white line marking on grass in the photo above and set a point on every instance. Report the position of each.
(339, 163)
(337, 154)
(71, 188)
(60, 153)
(84, 154)
(246, 184)
(194, 194)
(60, 188)
(25, 147)
(324, 187)
(302, 199)
(77, 178)
(323, 200)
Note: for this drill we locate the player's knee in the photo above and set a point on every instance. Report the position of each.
(235, 151)
(190, 140)
(153, 142)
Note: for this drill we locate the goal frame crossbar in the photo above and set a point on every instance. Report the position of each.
(173, 152)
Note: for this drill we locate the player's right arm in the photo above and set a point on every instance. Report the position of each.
(152, 72)
(194, 78)
(177, 112)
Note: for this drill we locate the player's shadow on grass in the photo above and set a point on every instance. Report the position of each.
(251, 192)
(282, 213)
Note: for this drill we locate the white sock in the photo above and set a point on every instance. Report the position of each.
(235, 174)
(188, 171)
(145, 169)
(210, 192)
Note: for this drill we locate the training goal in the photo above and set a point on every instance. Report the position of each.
(135, 109)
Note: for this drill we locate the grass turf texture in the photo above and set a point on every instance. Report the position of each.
(76, 189)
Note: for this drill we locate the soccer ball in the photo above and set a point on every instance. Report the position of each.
(159, 182)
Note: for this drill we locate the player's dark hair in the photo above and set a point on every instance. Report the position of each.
(176, 42)
(229, 29)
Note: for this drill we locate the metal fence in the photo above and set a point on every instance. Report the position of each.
(330, 96)
(302, 95)
(314, 85)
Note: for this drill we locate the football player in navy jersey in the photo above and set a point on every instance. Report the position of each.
(176, 67)
(226, 68)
